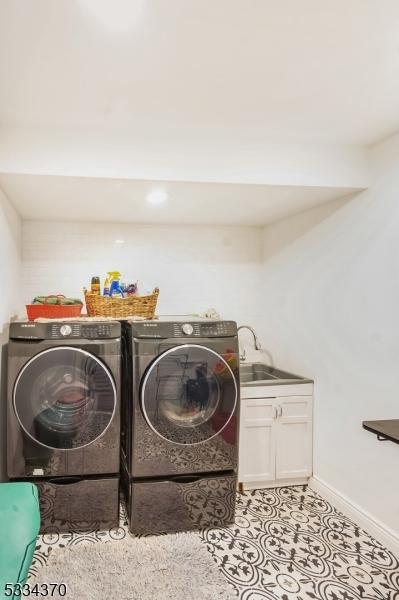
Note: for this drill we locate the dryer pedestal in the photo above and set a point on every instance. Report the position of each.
(180, 503)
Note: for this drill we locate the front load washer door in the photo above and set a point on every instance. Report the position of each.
(64, 398)
(189, 394)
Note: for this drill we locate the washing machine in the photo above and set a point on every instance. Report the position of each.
(63, 418)
(180, 423)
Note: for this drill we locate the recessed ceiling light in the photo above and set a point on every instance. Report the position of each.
(157, 197)
(119, 241)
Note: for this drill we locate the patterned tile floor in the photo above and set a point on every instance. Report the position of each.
(286, 543)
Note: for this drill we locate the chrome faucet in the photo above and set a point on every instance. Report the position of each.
(257, 343)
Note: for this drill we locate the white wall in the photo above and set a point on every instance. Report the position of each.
(331, 305)
(10, 259)
(10, 296)
(106, 153)
(194, 267)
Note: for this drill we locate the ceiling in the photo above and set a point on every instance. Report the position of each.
(272, 102)
(56, 198)
(202, 71)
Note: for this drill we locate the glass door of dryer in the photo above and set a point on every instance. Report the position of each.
(64, 398)
(189, 394)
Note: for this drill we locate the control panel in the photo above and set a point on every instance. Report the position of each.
(99, 330)
(89, 331)
(220, 328)
(64, 330)
(189, 329)
(217, 329)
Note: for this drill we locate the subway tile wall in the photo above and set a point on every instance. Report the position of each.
(195, 267)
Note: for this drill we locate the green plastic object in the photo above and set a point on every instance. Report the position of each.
(19, 526)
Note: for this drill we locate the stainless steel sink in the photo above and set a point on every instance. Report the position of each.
(261, 374)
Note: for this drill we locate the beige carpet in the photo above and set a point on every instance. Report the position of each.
(174, 566)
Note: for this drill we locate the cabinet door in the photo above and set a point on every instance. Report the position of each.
(257, 457)
(294, 437)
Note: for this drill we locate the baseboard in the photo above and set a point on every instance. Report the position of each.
(374, 527)
(276, 483)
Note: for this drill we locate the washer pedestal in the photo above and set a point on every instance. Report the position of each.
(69, 503)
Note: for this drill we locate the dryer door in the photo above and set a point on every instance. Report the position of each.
(64, 398)
(189, 394)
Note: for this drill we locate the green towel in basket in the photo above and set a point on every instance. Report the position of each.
(56, 300)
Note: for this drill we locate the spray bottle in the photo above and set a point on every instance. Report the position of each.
(115, 289)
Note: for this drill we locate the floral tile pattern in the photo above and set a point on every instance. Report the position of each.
(286, 543)
(291, 544)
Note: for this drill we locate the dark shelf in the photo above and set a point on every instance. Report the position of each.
(384, 430)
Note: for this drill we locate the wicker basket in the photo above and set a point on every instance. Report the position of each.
(130, 306)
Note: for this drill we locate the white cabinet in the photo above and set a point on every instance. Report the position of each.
(257, 425)
(294, 437)
(275, 441)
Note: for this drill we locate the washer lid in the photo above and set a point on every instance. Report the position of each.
(64, 398)
(189, 394)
